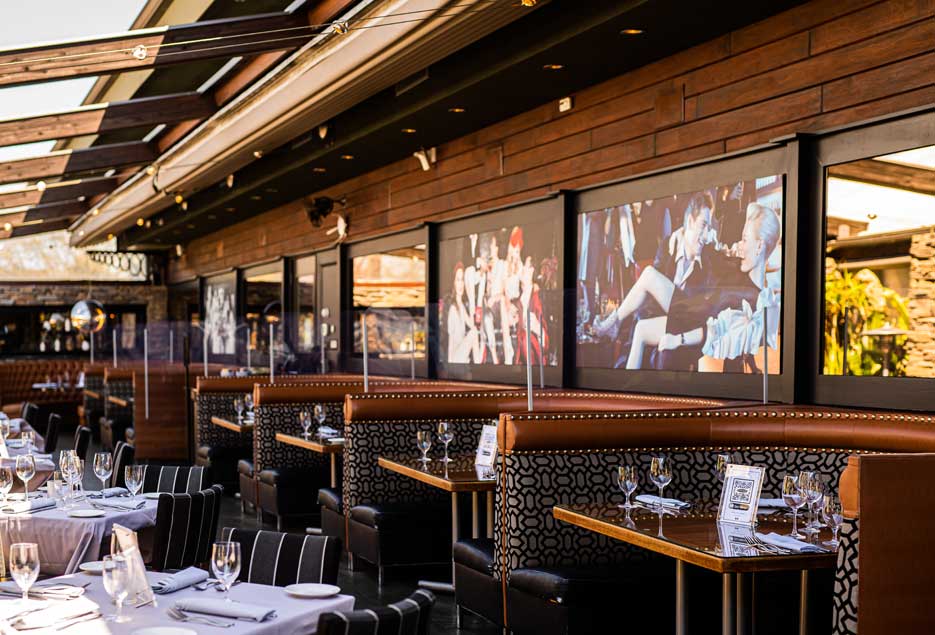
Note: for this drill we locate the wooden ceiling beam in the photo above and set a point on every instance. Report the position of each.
(62, 162)
(38, 227)
(159, 46)
(887, 174)
(106, 117)
(56, 192)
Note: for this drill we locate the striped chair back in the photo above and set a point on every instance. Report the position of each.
(173, 479)
(185, 528)
(82, 442)
(123, 456)
(406, 617)
(280, 559)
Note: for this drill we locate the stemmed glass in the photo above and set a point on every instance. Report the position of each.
(238, 408)
(811, 488)
(305, 419)
(133, 475)
(628, 477)
(445, 435)
(793, 497)
(225, 564)
(69, 466)
(6, 482)
(24, 565)
(25, 469)
(116, 578)
(4, 429)
(424, 442)
(103, 467)
(660, 473)
(720, 468)
(320, 416)
(248, 402)
(831, 511)
(28, 437)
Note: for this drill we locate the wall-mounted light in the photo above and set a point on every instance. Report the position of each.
(552, 67)
(179, 251)
(184, 206)
(140, 222)
(257, 154)
(229, 181)
(347, 157)
(95, 212)
(40, 186)
(631, 32)
(179, 199)
(456, 110)
(7, 227)
(426, 158)
(150, 170)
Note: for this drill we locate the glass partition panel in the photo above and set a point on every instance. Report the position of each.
(306, 337)
(879, 313)
(262, 309)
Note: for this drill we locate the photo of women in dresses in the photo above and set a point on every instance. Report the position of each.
(681, 283)
(496, 287)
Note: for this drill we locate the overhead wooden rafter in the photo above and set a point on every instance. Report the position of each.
(887, 174)
(48, 212)
(56, 192)
(35, 227)
(64, 162)
(105, 117)
(148, 48)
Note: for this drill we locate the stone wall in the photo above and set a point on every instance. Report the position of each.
(66, 294)
(920, 348)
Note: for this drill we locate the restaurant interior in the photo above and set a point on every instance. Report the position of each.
(467, 316)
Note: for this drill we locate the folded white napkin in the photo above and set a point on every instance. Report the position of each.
(223, 608)
(59, 615)
(179, 580)
(335, 440)
(328, 431)
(649, 499)
(124, 504)
(32, 505)
(773, 503)
(42, 457)
(109, 492)
(49, 590)
(788, 542)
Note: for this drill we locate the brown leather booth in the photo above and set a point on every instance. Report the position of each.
(16, 388)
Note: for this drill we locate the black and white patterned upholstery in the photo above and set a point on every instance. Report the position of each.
(845, 580)
(268, 453)
(173, 479)
(186, 525)
(407, 617)
(219, 404)
(82, 442)
(279, 559)
(123, 456)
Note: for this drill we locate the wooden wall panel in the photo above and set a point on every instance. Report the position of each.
(820, 65)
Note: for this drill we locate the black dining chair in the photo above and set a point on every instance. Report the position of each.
(29, 413)
(173, 479)
(406, 617)
(82, 442)
(123, 456)
(185, 528)
(279, 559)
(51, 433)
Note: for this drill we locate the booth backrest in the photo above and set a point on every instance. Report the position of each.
(163, 434)
(17, 378)
(118, 382)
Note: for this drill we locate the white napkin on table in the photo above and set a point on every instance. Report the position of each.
(655, 501)
(772, 503)
(179, 580)
(788, 542)
(59, 615)
(223, 608)
(109, 492)
(48, 590)
(327, 431)
(32, 505)
(122, 504)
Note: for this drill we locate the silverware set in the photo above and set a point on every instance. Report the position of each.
(181, 616)
(119, 508)
(77, 619)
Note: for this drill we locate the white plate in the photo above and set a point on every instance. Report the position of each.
(164, 630)
(311, 590)
(86, 513)
(153, 496)
(93, 568)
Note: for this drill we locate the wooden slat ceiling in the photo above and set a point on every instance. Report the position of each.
(47, 212)
(56, 192)
(887, 174)
(66, 162)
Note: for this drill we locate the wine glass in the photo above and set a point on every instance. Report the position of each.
(424, 442)
(116, 578)
(24, 565)
(68, 464)
(238, 408)
(133, 475)
(28, 437)
(720, 468)
(103, 467)
(446, 436)
(305, 419)
(320, 416)
(225, 564)
(833, 514)
(25, 469)
(6, 482)
(811, 487)
(660, 473)
(792, 496)
(248, 401)
(628, 478)
(4, 429)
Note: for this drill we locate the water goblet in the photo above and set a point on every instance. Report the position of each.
(238, 408)
(28, 437)
(305, 420)
(320, 416)
(424, 443)
(25, 470)
(446, 436)
(720, 467)
(248, 402)
(809, 486)
(628, 478)
(6, 482)
(225, 564)
(4, 429)
(660, 473)
(24, 565)
(103, 467)
(133, 475)
(116, 578)
(833, 514)
(793, 497)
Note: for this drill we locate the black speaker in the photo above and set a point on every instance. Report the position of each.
(318, 209)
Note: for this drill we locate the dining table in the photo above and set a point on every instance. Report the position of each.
(292, 614)
(330, 447)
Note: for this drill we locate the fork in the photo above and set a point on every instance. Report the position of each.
(182, 616)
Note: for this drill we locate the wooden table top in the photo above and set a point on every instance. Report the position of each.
(123, 403)
(232, 425)
(310, 444)
(694, 537)
(92, 393)
(457, 476)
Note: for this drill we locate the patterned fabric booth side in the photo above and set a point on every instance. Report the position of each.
(117, 418)
(548, 460)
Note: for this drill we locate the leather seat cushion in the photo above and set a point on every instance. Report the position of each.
(245, 467)
(570, 584)
(285, 476)
(475, 553)
(331, 498)
(391, 516)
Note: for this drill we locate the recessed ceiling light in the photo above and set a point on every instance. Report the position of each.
(552, 67)
(347, 157)
(408, 130)
(230, 209)
(256, 197)
(81, 232)
(40, 186)
(631, 32)
(258, 154)
(319, 170)
(456, 110)
(140, 222)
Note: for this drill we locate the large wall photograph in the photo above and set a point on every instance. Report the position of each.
(221, 314)
(496, 285)
(680, 283)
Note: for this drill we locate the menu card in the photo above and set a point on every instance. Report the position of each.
(123, 541)
(741, 494)
(487, 447)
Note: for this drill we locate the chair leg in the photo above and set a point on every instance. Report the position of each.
(458, 616)
(380, 577)
(278, 523)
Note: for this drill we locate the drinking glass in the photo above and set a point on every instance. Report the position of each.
(58, 491)
(4, 429)
(445, 435)
(116, 578)
(660, 473)
(25, 469)
(68, 464)
(103, 467)
(24, 565)
(810, 487)
(225, 564)
(238, 408)
(248, 401)
(831, 511)
(793, 497)
(133, 475)
(720, 468)
(28, 437)
(628, 478)
(6, 482)
(424, 442)
(79, 476)
(320, 416)
(305, 419)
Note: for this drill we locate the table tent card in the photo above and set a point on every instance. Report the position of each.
(124, 542)
(741, 494)
(487, 447)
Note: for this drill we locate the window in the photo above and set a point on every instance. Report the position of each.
(879, 294)
(306, 335)
(262, 309)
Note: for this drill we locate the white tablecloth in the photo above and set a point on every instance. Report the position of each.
(65, 542)
(293, 615)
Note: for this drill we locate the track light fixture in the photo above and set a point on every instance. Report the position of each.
(40, 186)
(426, 158)
(229, 181)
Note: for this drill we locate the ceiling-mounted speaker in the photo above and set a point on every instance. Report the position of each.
(318, 209)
